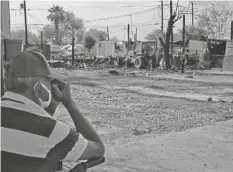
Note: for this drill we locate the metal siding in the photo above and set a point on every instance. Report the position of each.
(5, 19)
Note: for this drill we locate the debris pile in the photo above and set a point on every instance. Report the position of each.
(202, 65)
(108, 62)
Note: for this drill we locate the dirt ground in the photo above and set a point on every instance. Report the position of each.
(127, 116)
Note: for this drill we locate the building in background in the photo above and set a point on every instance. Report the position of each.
(5, 20)
(9, 47)
(5, 34)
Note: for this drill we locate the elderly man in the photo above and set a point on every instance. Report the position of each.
(32, 140)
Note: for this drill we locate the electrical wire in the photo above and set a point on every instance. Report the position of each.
(16, 15)
(120, 25)
(118, 31)
(13, 9)
(126, 15)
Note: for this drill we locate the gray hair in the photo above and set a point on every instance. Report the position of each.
(19, 84)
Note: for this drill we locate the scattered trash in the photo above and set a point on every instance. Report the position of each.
(106, 62)
(188, 76)
(114, 72)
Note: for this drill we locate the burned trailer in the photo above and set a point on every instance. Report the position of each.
(217, 49)
(109, 52)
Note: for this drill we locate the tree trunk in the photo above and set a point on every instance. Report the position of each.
(166, 44)
(57, 31)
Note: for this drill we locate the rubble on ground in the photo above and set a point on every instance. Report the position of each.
(202, 65)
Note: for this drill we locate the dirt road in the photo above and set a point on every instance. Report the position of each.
(125, 115)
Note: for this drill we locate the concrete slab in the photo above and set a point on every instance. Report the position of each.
(208, 149)
(213, 71)
(199, 78)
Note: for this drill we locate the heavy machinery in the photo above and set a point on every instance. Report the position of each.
(144, 54)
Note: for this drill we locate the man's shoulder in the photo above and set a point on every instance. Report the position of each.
(26, 120)
(20, 107)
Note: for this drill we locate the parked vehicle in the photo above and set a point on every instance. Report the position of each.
(144, 54)
(78, 49)
(56, 53)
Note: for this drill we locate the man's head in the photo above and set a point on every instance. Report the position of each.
(28, 74)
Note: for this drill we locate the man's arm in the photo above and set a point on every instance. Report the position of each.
(95, 147)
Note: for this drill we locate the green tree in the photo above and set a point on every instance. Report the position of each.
(154, 35)
(97, 34)
(89, 42)
(216, 18)
(72, 22)
(165, 38)
(57, 16)
(114, 39)
(193, 32)
(65, 29)
(20, 34)
(48, 32)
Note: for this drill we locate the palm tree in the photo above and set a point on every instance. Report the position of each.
(56, 15)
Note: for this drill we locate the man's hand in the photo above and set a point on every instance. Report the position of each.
(52, 107)
(61, 91)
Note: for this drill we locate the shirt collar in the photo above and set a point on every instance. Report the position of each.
(20, 98)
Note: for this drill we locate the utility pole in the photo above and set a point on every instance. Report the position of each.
(171, 30)
(128, 38)
(108, 33)
(25, 20)
(136, 35)
(192, 15)
(183, 50)
(162, 16)
(183, 31)
(72, 46)
(41, 41)
(231, 30)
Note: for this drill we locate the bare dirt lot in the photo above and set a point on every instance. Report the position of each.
(125, 114)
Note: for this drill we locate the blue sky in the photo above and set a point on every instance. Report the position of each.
(91, 10)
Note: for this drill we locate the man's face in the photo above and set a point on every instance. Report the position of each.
(47, 82)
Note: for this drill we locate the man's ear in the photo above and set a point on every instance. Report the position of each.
(37, 89)
(8, 71)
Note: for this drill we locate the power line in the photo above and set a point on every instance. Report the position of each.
(16, 15)
(32, 16)
(120, 25)
(132, 6)
(149, 24)
(126, 15)
(129, 6)
(14, 9)
(95, 26)
(29, 24)
(119, 30)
